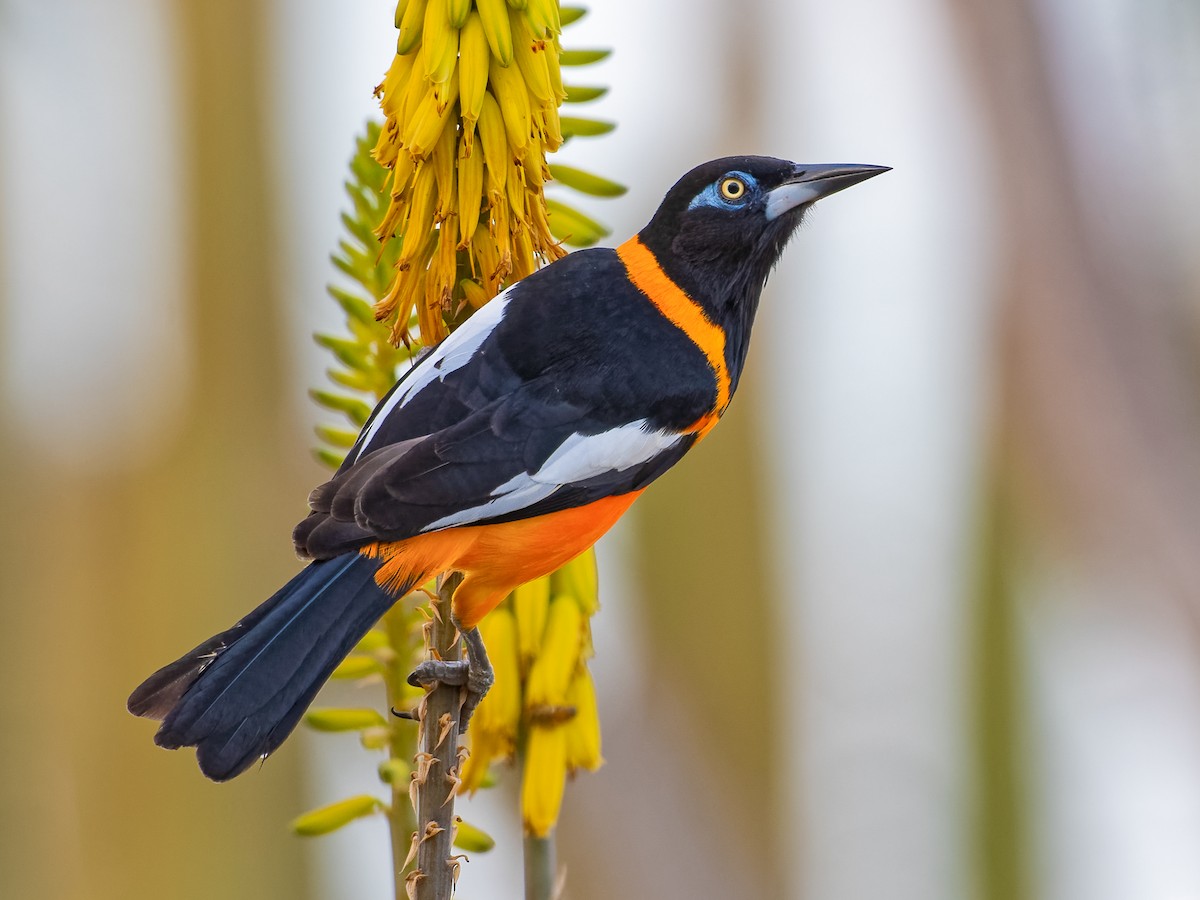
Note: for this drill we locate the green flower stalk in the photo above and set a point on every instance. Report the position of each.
(366, 364)
(448, 207)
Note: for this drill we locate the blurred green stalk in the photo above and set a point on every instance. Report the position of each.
(1003, 866)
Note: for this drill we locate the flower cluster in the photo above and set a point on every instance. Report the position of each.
(542, 709)
(471, 103)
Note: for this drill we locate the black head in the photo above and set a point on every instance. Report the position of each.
(723, 226)
(727, 221)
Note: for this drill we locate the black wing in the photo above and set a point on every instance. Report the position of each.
(567, 388)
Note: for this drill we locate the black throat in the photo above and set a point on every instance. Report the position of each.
(723, 272)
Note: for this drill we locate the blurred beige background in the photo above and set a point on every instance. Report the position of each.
(917, 622)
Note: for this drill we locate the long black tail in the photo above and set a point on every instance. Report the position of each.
(237, 696)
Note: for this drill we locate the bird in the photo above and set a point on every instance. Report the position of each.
(505, 451)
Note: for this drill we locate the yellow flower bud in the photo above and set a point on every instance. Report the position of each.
(583, 730)
(500, 711)
(530, 603)
(324, 718)
(394, 771)
(473, 840)
(375, 738)
(485, 748)
(559, 655)
(580, 579)
(543, 779)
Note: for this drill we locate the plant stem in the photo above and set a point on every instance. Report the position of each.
(539, 867)
(437, 763)
(1001, 831)
(402, 819)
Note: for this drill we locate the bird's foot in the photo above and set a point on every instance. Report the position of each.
(475, 673)
(453, 672)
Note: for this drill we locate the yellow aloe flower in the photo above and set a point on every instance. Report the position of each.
(494, 730)
(580, 579)
(531, 603)
(582, 749)
(550, 706)
(550, 675)
(471, 103)
(449, 206)
(543, 778)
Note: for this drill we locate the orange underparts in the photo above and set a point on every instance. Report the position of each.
(495, 559)
(685, 314)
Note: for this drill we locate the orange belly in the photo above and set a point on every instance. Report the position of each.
(495, 559)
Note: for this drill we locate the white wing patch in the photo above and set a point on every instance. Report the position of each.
(451, 354)
(521, 495)
(578, 458)
(584, 456)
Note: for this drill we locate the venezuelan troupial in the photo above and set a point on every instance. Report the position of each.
(506, 452)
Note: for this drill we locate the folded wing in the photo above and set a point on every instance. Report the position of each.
(493, 426)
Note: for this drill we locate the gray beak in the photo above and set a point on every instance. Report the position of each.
(811, 183)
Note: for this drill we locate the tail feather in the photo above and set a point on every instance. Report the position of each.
(237, 696)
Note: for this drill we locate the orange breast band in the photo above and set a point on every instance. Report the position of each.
(685, 314)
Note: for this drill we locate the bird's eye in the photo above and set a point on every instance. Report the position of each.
(733, 188)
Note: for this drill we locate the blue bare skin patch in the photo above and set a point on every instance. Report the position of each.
(711, 195)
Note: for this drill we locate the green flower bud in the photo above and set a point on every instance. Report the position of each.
(332, 817)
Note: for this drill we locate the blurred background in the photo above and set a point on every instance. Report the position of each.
(919, 621)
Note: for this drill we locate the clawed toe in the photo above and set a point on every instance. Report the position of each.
(455, 673)
(479, 682)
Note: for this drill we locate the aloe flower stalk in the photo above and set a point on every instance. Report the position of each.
(449, 207)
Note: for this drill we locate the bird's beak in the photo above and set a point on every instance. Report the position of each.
(810, 183)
